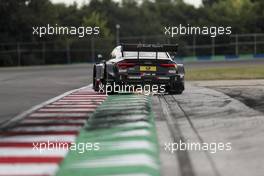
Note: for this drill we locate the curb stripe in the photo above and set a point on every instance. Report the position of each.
(40, 138)
(28, 169)
(62, 110)
(76, 103)
(14, 160)
(28, 144)
(22, 133)
(58, 120)
(90, 96)
(23, 175)
(46, 129)
(86, 93)
(77, 100)
(71, 106)
(48, 124)
(53, 121)
(6, 152)
(77, 97)
(66, 114)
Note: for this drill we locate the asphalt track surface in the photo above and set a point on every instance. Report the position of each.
(22, 88)
(207, 112)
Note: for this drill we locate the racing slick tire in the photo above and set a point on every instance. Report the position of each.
(95, 85)
(177, 88)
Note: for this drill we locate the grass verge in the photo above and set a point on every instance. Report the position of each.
(226, 73)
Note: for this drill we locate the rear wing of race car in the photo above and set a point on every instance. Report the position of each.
(149, 48)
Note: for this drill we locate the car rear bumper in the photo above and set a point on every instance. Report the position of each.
(157, 80)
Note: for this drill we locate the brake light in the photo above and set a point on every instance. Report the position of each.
(168, 65)
(124, 65)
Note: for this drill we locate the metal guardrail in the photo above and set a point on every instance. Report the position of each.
(85, 50)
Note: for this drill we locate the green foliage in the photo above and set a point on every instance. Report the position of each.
(96, 19)
(146, 18)
(136, 18)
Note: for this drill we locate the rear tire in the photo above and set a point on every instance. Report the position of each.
(96, 85)
(177, 89)
(175, 92)
(94, 80)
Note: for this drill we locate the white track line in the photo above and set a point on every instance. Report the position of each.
(66, 110)
(59, 115)
(89, 101)
(26, 113)
(46, 128)
(27, 169)
(42, 120)
(7, 151)
(70, 106)
(76, 103)
(39, 138)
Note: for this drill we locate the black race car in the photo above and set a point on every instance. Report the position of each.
(140, 64)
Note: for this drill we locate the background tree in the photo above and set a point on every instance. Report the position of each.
(136, 18)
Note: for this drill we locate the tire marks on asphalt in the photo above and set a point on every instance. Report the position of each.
(184, 162)
(176, 117)
(198, 136)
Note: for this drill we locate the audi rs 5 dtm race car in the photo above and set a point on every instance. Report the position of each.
(140, 64)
